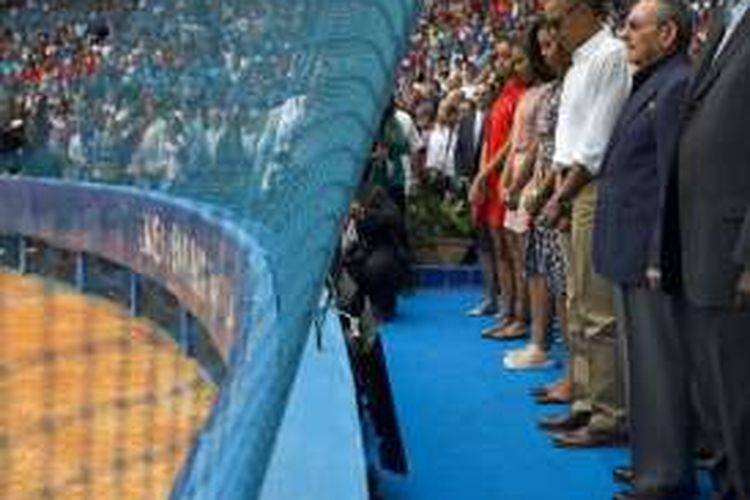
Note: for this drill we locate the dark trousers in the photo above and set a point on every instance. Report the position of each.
(658, 388)
(720, 339)
(488, 264)
(379, 277)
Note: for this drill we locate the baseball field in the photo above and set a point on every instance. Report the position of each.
(93, 403)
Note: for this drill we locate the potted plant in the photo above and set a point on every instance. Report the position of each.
(438, 222)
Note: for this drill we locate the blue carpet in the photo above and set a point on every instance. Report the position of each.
(469, 424)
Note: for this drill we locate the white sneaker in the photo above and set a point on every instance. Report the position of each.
(515, 352)
(531, 357)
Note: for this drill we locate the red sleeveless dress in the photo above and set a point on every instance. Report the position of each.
(499, 121)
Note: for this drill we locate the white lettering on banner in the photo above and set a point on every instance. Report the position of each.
(151, 238)
(177, 252)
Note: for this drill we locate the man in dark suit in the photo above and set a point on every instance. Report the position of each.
(467, 153)
(706, 235)
(631, 188)
(469, 142)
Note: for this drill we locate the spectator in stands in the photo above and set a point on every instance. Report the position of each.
(390, 159)
(545, 257)
(155, 160)
(9, 59)
(423, 118)
(631, 186)
(706, 240)
(194, 155)
(413, 161)
(12, 131)
(594, 91)
(441, 141)
(215, 129)
(472, 111)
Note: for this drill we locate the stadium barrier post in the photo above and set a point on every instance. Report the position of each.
(22, 261)
(80, 272)
(133, 295)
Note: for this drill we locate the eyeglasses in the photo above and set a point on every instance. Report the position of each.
(639, 24)
(635, 25)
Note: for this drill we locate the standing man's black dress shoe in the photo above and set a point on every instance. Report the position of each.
(586, 437)
(624, 475)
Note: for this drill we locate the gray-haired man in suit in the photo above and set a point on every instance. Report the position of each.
(706, 237)
(631, 189)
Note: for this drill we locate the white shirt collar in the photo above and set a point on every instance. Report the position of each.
(734, 12)
(737, 10)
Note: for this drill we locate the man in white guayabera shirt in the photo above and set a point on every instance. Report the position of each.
(594, 91)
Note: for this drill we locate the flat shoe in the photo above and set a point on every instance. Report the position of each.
(530, 357)
(483, 309)
(511, 331)
(552, 399)
(557, 396)
(544, 389)
(494, 330)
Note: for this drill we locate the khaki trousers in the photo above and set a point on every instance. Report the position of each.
(594, 367)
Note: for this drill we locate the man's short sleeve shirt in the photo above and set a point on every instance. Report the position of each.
(594, 91)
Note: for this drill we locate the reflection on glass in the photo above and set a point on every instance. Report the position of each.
(161, 98)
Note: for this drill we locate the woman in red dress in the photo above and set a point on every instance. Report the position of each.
(486, 195)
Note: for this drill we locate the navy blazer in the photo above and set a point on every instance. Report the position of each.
(635, 173)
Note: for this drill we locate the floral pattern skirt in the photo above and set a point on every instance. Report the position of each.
(546, 256)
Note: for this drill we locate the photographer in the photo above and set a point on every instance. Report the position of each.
(375, 251)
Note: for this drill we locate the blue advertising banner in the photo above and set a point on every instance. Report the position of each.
(193, 253)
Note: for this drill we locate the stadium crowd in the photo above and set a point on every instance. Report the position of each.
(120, 94)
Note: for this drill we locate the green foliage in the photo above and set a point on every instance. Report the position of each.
(436, 211)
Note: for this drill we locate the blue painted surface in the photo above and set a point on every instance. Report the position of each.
(447, 277)
(319, 453)
(469, 425)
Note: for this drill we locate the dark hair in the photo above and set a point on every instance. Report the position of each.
(677, 12)
(502, 37)
(599, 7)
(98, 31)
(6, 33)
(539, 68)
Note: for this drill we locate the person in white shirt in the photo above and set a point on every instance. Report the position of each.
(416, 146)
(595, 89)
(441, 143)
